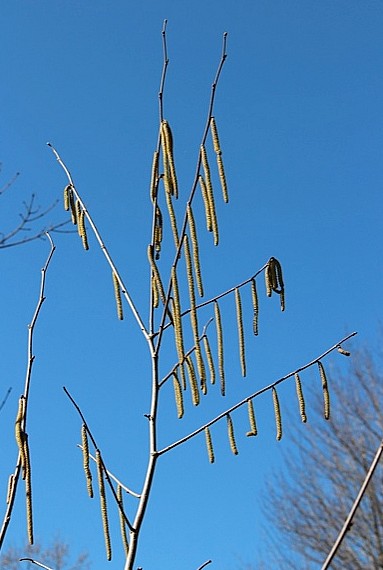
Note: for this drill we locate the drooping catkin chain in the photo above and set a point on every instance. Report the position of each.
(177, 319)
(274, 280)
(254, 296)
(19, 433)
(178, 396)
(154, 177)
(194, 241)
(218, 151)
(28, 491)
(209, 357)
(301, 401)
(192, 380)
(231, 435)
(124, 537)
(209, 194)
(193, 313)
(241, 336)
(117, 294)
(326, 394)
(172, 217)
(103, 505)
(85, 456)
(209, 445)
(218, 325)
(277, 413)
(170, 178)
(253, 424)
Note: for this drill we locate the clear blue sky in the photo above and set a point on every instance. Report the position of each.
(299, 109)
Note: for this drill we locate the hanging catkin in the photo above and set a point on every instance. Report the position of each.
(78, 214)
(156, 274)
(11, 484)
(209, 194)
(72, 206)
(231, 436)
(158, 231)
(209, 445)
(253, 424)
(172, 217)
(254, 297)
(343, 351)
(178, 396)
(241, 336)
(19, 433)
(192, 380)
(28, 490)
(117, 294)
(167, 150)
(124, 537)
(209, 224)
(193, 313)
(103, 505)
(301, 401)
(155, 293)
(277, 413)
(82, 230)
(217, 150)
(177, 320)
(67, 191)
(85, 456)
(210, 360)
(218, 325)
(154, 177)
(326, 395)
(194, 241)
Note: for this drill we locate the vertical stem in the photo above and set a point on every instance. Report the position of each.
(153, 456)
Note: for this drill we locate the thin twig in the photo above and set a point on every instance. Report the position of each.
(252, 396)
(31, 358)
(107, 475)
(348, 521)
(35, 562)
(204, 564)
(9, 183)
(102, 245)
(5, 398)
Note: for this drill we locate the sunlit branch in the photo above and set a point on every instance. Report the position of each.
(31, 358)
(103, 247)
(204, 564)
(107, 474)
(254, 395)
(35, 562)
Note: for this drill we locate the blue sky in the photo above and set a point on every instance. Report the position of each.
(299, 110)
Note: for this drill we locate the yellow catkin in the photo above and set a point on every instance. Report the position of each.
(155, 293)
(253, 424)
(230, 432)
(28, 491)
(343, 351)
(210, 361)
(193, 314)
(194, 241)
(209, 194)
(177, 319)
(11, 484)
(214, 136)
(167, 149)
(124, 537)
(172, 217)
(280, 287)
(67, 191)
(222, 178)
(254, 297)
(178, 396)
(19, 433)
(209, 445)
(154, 177)
(326, 394)
(78, 214)
(192, 381)
(165, 158)
(282, 299)
(156, 274)
(218, 325)
(82, 230)
(241, 336)
(202, 184)
(85, 457)
(117, 294)
(158, 231)
(277, 413)
(301, 401)
(72, 206)
(268, 281)
(103, 505)
(273, 274)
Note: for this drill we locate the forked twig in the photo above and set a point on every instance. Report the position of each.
(254, 395)
(31, 358)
